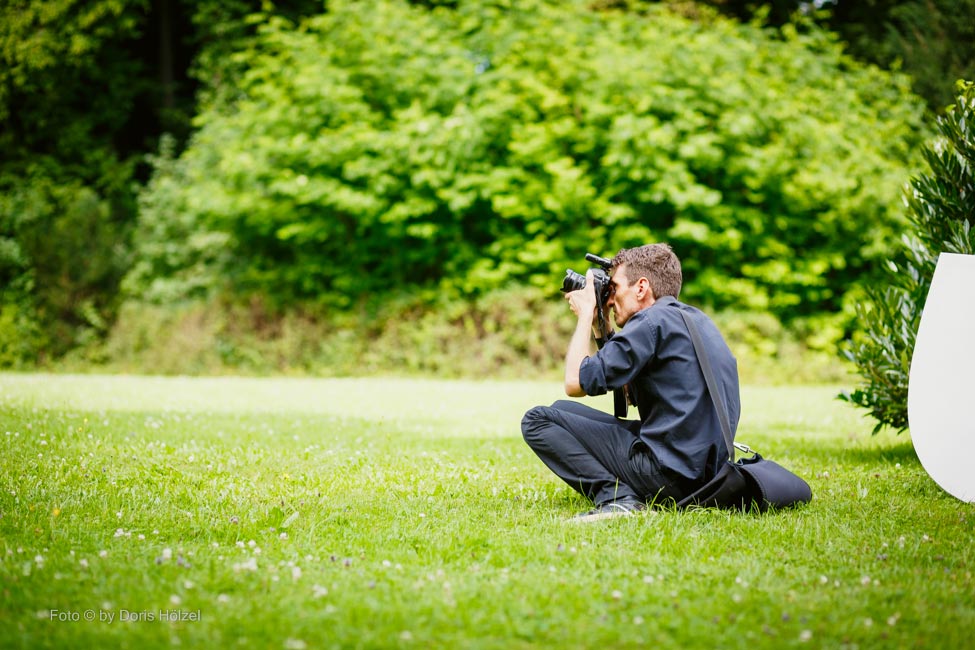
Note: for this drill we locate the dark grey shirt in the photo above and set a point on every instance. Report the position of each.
(654, 354)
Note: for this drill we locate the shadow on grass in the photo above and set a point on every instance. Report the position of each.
(846, 452)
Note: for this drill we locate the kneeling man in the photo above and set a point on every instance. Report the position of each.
(676, 445)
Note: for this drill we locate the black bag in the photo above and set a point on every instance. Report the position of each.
(750, 481)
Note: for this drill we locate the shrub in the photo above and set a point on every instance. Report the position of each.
(941, 209)
(462, 151)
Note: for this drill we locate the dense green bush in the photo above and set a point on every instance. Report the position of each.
(941, 209)
(383, 150)
(85, 90)
(67, 200)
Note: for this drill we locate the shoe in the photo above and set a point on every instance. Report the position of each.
(612, 509)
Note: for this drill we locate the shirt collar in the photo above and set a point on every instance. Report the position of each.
(665, 300)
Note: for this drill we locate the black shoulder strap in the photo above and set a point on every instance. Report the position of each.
(702, 358)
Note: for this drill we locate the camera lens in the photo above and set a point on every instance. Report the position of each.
(572, 281)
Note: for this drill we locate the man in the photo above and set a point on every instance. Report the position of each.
(676, 445)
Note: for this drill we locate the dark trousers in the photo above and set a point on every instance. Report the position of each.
(595, 453)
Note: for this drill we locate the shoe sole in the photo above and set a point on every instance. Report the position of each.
(613, 514)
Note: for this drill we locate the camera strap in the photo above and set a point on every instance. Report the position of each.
(620, 395)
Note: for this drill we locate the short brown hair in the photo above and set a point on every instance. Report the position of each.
(655, 262)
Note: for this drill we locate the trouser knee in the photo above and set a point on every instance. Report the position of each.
(534, 424)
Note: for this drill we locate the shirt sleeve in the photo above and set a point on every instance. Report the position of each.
(619, 360)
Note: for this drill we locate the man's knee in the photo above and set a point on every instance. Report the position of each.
(534, 424)
(564, 404)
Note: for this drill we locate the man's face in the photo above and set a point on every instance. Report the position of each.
(623, 297)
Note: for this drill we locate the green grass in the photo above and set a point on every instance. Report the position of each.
(384, 513)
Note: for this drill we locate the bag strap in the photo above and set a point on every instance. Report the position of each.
(705, 361)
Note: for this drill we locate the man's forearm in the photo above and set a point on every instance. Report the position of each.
(578, 350)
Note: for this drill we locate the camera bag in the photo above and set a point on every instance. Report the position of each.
(749, 482)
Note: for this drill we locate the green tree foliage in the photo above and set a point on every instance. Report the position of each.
(66, 93)
(86, 88)
(933, 41)
(384, 147)
(941, 209)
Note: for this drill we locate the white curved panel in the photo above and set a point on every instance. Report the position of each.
(941, 389)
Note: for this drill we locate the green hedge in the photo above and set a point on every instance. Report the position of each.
(382, 152)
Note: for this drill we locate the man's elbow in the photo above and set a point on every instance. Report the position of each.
(573, 389)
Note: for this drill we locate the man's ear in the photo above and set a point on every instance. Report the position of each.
(645, 289)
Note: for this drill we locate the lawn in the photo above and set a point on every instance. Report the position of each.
(403, 513)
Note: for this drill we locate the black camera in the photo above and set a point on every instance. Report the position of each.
(600, 275)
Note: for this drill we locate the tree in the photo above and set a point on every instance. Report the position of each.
(941, 210)
(460, 151)
(86, 89)
(933, 41)
(67, 88)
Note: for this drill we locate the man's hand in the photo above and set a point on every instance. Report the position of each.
(583, 304)
(583, 301)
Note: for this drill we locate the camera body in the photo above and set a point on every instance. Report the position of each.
(603, 287)
(600, 275)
